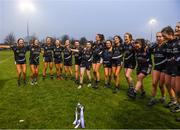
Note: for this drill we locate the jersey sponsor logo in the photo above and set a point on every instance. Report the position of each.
(17, 51)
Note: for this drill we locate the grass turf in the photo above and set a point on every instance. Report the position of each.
(51, 104)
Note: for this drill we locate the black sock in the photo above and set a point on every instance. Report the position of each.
(135, 92)
(35, 79)
(143, 92)
(117, 86)
(52, 76)
(19, 83)
(172, 99)
(97, 81)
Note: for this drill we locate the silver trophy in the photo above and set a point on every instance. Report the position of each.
(79, 116)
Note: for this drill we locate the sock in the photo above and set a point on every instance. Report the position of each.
(131, 85)
(172, 99)
(152, 98)
(178, 96)
(32, 80)
(163, 98)
(52, 76)
(117, 86)
(135, 91)
(89, 81)
(25, 81)
(18, 81)
(97, 81)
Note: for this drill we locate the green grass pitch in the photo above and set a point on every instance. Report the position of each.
(51, 104)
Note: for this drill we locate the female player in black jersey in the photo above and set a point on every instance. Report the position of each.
(176, 52)
(129, 59)
(117, 61)
(67, 59)
(58, 59)
(35, 51)
(77, 58)
(168, 35)
(177, 55)
(48, 57)
(144, 66)
(97, 59)
(158, 74)
(20, 60)
(177, 58)
(85, 63)
(107, 63)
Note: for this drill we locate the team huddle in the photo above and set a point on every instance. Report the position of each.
(161, 58)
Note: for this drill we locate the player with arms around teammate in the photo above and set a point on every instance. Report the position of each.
(58, 49)
(48, 57)
(158, 74)
(20, 60)
(35, 51)
(144, 66)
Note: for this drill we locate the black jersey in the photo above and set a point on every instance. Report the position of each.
(77, 55)
(129, 52)
(67, 53)
(107, 56)
(169, 51)
(176, 51)
(48, 50)
(34, 53)
(159, 53)
(117, 52)
(143, 58)
(58, 52)
(86, 56)
(97, 50)
(19, 53)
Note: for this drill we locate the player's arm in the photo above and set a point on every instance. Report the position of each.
(5, 46)
(74, 50)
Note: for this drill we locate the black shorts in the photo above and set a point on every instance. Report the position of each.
(116, 62)
(107, 64)
(86, 65)
(160, 68)
(146, 70)
(48, 59)
(33, 62)
(171, 69)
(20, 62)
(68, 62)
(77, 61)
(57, 60)
(97, 60)
(130, 64)
(178, 70)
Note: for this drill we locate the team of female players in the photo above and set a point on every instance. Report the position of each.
(113, 55)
